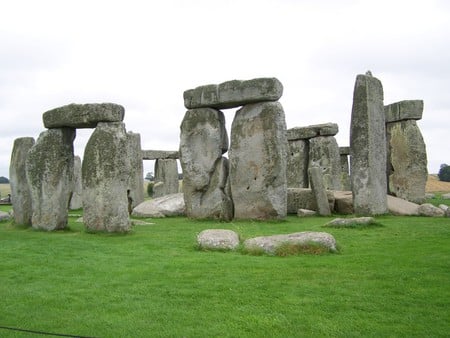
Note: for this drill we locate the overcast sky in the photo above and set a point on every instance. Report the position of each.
(144, 54)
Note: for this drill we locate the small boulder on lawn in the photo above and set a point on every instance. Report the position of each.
(270, 244)
(430, 210)
(4, 216)
(169, 205)
(306, 213)
(218, 239)
(350, 222)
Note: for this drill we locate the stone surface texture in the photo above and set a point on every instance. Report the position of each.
(105, 179)
(76, 199)
(306, 213)
(297, 164)
(307, 132)
(49, 168)
(234, 93)
(404, 110)
(317, 187)
(83, 115)
(337, 222)
(218, 239)
(428, 209)
(303, 198)
(324, 153)
(368, 144)
(400, 207)
(166, 172)
(168, 205)
(20, 190)
(135, 165)
(203, 140)
(160, 154)
(406, 161)
(258, 161)
(269, 244)
(343, 202)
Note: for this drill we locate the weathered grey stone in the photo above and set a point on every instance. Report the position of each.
(104, 178)
(446, 196)
(76, 199)
(324, 153)
(133, 155)
(160, 154)
(234, 93)
(344, 150)
(166, 172)
(297, 164)
(407, 161)
(4, 216)
(368, 147)
(258, 159)
(429, 195)
(404, 110)
(83, 115)
(447, 212)
(306, 213)
(428, 209)
(302, 198)
(343, 202)
(49, 168)
(20, 190)
(443, 207)
(218, 239)
(345, 172)
(319, 191)
(400, 207)
(269, 244)
(168, 205)
(304, 133)
(345, 222)
(203, 140)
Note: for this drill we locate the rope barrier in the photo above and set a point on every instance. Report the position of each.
(42, 332)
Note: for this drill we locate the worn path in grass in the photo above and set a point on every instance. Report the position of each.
(392, 280)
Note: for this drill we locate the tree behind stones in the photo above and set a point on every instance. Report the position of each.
(444, 173)
(3, 180)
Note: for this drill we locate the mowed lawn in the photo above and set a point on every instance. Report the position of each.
(387, 281)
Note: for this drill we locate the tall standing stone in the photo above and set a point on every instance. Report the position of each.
(20, 190)
(76, 200)
(368, 147)
(166, 177)
(49, 168)
(258, 160)
(297, 164)
(135, 170)
(104, 177)
(344, 153)
(319, 191)
(203, 140)
(324, 153)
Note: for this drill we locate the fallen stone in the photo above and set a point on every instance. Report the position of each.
(443, 207)
(306, 213)
(169, 205)
(404, 110)
(400, 207)
(303, 198)
(258, 160)
(139, 222)
(446, 196)
(368, 147)
(160, 154)
(83, 115)
(218, 239)
(269, 244)
(20, 189)
(307, 132)
(234, 93)
(4, 216)
(343, 202)
(430, 210)
(346, 222)
(429, 195)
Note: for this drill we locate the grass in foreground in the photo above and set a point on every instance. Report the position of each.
(387, 281)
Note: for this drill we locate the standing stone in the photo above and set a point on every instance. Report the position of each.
(203, 140)
(49, 168)
(166, 172)
(368, 147)
(297, 164)
(319, 191)
(20, 190)
(104, 177)
(324, 153)
(344, 153)
(407, 161)
(135, 189)
(76, 200)
(258, 160)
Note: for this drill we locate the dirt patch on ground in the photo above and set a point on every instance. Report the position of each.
(434, 185)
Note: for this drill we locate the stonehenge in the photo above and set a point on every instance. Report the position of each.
(267, 174)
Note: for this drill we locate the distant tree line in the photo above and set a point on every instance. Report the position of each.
(3, 180)
(444, 173)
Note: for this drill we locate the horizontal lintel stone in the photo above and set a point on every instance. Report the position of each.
(233, 93)
(344, 150)
(160, 154)
(404, 110)
(83, 115)
(304, 133)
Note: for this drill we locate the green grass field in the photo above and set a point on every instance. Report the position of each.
(387, 281)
